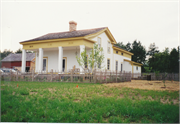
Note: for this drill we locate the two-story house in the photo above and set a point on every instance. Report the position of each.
(58, 51)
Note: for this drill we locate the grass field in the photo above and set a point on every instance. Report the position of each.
(93, 103)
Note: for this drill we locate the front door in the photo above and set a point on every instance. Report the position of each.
(64, 64)
(44, 64)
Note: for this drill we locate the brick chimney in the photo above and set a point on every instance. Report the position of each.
(72, 25)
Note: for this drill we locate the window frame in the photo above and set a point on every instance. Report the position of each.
(99, 38)
(46, 64)
(109, 63)
(116, 64)
(121, 67)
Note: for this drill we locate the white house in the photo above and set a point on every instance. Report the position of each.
(58, 51)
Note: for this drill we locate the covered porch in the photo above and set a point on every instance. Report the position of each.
(59, 59)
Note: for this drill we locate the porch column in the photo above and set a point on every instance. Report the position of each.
(82, 48)
(23, 64)
(60, 59)
(37, 61)
(40, 59)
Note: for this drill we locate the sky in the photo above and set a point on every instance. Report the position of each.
(148, 21)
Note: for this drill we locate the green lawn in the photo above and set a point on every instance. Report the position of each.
(93, 103)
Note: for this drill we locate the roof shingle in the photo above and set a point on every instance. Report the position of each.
(67, 34)
(18, 57)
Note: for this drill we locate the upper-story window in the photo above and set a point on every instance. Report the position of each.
(136, 67)
(99, 42)
(109, 50)
(109, 47)
(116, 52)
(121, 53)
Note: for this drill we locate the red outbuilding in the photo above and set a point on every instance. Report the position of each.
(14, 61)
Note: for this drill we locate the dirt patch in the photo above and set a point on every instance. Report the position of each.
(109, 95)
(33, 93)
(121, 95)
(51, 90)
(175, 101)
(13, 93)
(148, 85)
(76, 100)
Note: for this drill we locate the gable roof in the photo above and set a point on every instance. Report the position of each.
(67, 34)
(18, 57)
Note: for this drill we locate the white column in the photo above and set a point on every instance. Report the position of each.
(82, 48)
(23, 64)
(40, 59)
(60, 59)
(37, 61)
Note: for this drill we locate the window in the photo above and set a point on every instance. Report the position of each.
(116, 65)
(44, 64)
(108, 64)
(117, 52)
(99, 42)
(121, 67)
(121, 53)
(136, 67)
(109, 47)
(109, 50)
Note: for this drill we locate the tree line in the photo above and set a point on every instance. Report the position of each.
(152, 59)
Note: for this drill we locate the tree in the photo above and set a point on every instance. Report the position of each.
(95, 59)
(128, 47)
(139, 52)
(161, 61)
(19, 50)
(151, 52)
(121, 45)
(174, 60)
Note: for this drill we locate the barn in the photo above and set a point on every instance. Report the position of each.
(14, 61)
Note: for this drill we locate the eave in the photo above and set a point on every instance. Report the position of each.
(133, 63)
(116, 48)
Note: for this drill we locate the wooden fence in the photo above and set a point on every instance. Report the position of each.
(160, 76)
(97, 76)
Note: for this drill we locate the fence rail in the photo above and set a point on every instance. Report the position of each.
(97, 76)
(160, 76)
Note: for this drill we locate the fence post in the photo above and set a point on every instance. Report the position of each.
(84, 75)
(51, 75)
(71, 76)
(0, 76)
(100, 80)
(94, 75)
(116, 76)
(32, 75)
(10, 75)
(106, 75)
